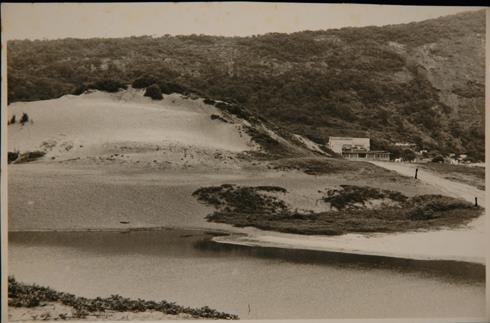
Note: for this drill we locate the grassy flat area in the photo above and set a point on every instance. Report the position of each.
(325, 166)
(474, 176)
(354, 209)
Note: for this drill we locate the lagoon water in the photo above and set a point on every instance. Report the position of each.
(188, 268)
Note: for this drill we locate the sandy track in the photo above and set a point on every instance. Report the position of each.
(462, 244)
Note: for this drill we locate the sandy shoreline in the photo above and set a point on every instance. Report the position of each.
(349, 244)
(355, 244)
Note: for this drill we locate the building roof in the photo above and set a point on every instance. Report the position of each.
(363, 151)
(345, 138)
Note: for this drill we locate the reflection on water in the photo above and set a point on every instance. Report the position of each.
(189, 268)
(445, 270)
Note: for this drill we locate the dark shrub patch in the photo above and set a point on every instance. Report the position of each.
(169, 88)
(143, 82)
(28, 156)
(24, 118)
(107, 85)
(349, 195)
(427, 207)
(438, 159)
(218, 117)
(12, 155)
(80, 89)
(12, 120)
(154, 92)
(242, 199)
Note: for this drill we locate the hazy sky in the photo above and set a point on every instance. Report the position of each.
(84, 20)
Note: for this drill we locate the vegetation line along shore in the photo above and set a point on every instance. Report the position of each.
(29, 296)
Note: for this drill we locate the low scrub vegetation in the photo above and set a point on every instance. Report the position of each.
(144, 82)
(218, 117)
(22, 295)
(19, 158)
(243, 199)
(12, 156)
(322, 166)
(12, 120)
(154, 92)
(355, 197)
(257, 207)
(106, 85)
(169, 88)
(24, 118)
(271, 148)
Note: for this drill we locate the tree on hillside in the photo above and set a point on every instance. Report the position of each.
(408, 155)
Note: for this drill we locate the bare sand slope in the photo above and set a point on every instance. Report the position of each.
(462, 244)
(126, 127)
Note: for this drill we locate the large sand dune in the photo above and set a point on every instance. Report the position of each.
(96, 126)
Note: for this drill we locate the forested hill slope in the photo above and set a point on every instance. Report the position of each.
(421, 82)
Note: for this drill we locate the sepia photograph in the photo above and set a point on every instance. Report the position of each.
(243, 161)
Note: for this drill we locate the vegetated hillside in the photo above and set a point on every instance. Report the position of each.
(421, 82)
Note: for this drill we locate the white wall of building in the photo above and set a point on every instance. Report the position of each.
(336, 143)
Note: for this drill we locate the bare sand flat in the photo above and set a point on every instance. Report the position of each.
(47, 196)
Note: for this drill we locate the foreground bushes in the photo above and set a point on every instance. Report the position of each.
(22, 295)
